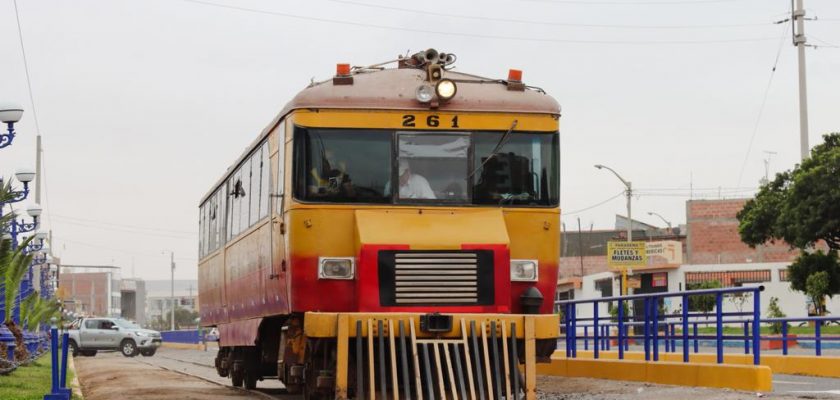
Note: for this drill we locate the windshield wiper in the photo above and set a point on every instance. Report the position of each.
(496, 149)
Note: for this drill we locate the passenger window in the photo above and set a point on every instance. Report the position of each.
(255, 187)
(92, 324)
(245, 196)
(265, 172)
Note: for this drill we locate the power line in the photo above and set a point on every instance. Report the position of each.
(155, 234)
(763, 104)
(130, 252)
(594, 205)
(477, 35)
(26, 69)
(631, 3)
(545, 23)
(125, 225)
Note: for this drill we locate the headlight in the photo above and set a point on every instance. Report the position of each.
(524, 270)
(336, 268)
(446, 89)
(141, 334)
(424, 93)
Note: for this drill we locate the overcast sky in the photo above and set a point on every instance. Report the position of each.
(142, 104)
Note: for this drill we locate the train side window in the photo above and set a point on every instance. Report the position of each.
(201, 231)
(244, 196)
(281, 157)
(221, 216)
(265, 172)
(254, 202)
(235, 195)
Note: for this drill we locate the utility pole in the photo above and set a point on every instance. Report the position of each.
(172, 262)
(798, 15)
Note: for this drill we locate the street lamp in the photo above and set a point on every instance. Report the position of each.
(629, 193)
(9, 114)
(24, 175)
(15, 227)
(662, 218)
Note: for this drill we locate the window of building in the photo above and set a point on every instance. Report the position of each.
(728, 278)
(783, 275)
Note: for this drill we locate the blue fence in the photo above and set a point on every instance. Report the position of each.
(660, 329)
(185, 336)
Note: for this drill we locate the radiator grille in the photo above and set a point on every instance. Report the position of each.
(411, 278)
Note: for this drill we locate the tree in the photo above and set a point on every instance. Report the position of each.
(14, 264)
(774, 311)
(802, 208)
(704, 303)
(817, 287)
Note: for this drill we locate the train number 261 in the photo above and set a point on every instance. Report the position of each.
(432, 121)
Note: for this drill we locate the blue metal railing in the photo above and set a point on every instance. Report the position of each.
(652, 321)
(661, 328)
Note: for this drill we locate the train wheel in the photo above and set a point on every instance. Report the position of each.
(319, 374)
(237, 378)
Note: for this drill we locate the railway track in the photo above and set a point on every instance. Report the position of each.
(276, 393)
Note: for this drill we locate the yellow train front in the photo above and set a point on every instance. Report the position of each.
(393, 232)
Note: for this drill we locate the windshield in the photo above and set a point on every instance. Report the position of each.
(126, 324)
(386, 166)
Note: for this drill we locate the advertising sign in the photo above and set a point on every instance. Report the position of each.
(626, 254)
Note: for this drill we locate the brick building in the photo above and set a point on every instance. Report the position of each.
(91, 293)
(713, 236)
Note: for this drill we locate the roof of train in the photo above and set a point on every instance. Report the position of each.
(394, 89)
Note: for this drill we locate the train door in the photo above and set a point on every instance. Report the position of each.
(277, 286)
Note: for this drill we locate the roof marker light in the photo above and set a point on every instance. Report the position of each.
(515, 75)
(342, 69)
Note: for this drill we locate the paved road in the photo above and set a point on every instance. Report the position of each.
(188, 374)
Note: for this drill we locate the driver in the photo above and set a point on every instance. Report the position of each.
(413, 186)
(331, 181)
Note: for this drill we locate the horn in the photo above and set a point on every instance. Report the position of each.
(431, 56)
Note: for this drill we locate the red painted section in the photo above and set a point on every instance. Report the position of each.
(501, 268)
(368, 275)
(239, 333)
(546, 284)
(312, 294)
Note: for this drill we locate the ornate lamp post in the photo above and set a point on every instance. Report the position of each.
(16, 227)
(10, 113)
(24, 175)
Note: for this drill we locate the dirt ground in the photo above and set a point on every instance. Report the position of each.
(112, 376)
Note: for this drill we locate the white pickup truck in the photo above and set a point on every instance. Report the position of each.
(89, 335)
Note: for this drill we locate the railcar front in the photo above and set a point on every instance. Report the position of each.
(414, 238)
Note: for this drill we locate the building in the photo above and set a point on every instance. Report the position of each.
(159, 297)
(712, 250)
(90, 293)
(133, 300)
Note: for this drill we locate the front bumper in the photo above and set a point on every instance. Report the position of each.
(147, 343)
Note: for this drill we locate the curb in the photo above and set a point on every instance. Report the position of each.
(737, 377)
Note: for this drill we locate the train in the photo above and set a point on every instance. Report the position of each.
(394, 231)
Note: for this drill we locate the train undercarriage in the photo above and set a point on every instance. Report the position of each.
(396, 355)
